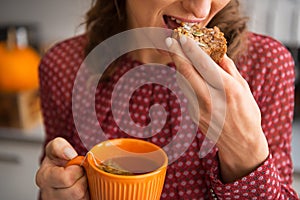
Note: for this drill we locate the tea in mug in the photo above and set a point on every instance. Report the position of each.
(128, 165)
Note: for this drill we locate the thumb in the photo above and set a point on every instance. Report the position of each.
(59, 150)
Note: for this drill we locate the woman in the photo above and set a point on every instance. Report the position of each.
(251, 158)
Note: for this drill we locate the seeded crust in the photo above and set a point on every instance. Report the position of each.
(211, 40)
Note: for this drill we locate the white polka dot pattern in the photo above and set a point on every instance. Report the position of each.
(268, 68)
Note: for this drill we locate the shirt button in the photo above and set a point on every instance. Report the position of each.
(213, 194)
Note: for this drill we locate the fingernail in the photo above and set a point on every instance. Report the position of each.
(70, 152)
(182, 39)
(168, 41)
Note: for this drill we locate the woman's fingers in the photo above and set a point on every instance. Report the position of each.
(57, 181)
(53, 172)
(60, 151)
(79, 191)
(202, 62)
(194, 81)
(61, 177)
(198, 61)
(183, 64)
(206, 80)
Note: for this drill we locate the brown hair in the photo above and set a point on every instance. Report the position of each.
(107, 18)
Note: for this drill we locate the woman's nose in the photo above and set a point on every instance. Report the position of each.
(199, 8)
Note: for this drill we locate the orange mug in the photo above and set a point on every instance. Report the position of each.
(138, 157)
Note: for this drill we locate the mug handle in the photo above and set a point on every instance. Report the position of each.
(78, 160)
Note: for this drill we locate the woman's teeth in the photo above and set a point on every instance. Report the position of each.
(178, 21)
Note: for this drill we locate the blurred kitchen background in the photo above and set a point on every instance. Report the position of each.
(35, 25)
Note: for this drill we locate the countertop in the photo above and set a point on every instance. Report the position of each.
(35, 134)
(296, 145)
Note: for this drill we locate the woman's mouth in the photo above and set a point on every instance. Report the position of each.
(173, 23)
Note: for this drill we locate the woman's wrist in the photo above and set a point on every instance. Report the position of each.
(240, 159)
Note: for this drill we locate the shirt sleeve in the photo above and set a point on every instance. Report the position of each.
(263, 183)
(272, 84)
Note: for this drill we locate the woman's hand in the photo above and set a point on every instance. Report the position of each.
(227, 113)
(57, 181)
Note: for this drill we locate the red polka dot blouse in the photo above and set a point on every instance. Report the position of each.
(143, 102)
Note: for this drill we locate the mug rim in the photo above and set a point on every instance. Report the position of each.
(91, 160)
